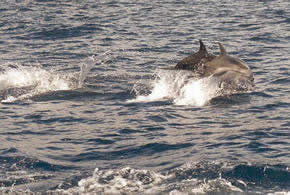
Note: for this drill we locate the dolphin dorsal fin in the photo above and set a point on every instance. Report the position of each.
(202, 46)
(222, 49)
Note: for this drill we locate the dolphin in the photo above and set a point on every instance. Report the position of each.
(225, 62)
(195, 61)
(230, 71)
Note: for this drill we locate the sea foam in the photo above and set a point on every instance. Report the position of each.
(19, 82)
(180, 87)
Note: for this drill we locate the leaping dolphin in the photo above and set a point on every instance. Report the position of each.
(230, 71)
(225, 62)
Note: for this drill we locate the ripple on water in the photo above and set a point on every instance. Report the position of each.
(81, 87)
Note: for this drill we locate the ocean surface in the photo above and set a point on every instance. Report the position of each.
(88, 107)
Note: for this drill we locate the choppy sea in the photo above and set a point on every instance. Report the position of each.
(87, 107)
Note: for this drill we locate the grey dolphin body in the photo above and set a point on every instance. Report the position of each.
(230, 71)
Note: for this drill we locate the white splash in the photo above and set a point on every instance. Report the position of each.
(85, 69)
(198, 92)
(28, 81)
(135, 181)
(181, 87)
(126, 180)
(121, 181)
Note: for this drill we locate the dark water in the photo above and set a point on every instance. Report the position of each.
(85, 107)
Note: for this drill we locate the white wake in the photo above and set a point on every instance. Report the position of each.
(19, 82)
(180, 87)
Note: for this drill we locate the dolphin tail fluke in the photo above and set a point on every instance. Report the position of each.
(222, 49)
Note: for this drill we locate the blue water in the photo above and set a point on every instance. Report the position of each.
(86, 107)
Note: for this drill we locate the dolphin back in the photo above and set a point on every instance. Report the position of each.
(195, 61)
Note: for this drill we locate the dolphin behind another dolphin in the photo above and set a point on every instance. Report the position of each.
(195, 61)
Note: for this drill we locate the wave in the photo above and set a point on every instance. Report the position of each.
(21, 174)
(132, 181)
(191, 178)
